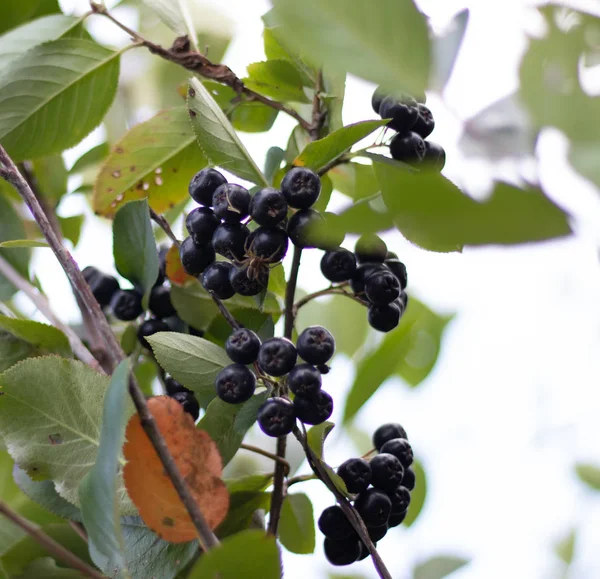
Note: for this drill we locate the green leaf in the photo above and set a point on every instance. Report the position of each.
(13, 350)
(438, 567)
(277, 79)
(335, 89)
(445, 49)
(23, 243)
(277, 283)
(431, 212)
(297, 524)
(11, 227)
(71, 227)
(217, 138)
(316, 437)
(37, 334)
(589, 474)
(275, 49)
(232, 555)
(90, 158)
(417, 495)
(15, 12)
(565, 548)
(387, 45)
(318, 153)
(51, 175)
(155, 159)
(193, 361)
(98, 490)
(46, 568)
(134, 247)
(354, 180)
(227, 424)
(50, 416)
(273, 162)
(170, 13)
(54, 95)
(409, 351)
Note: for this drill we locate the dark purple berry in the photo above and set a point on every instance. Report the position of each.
(374, 506)
(235, 384)
(384, 318)
(402, 112)
(248, 282)
(425, 123)
(397, 518)
(370, 248)
(387, 471)
(315, 409)
(409, 479)
(149, 328)
(338, 265)
(399, 270)
(387, 432)
(277, 356)
(343, 552)
(408, 147)
(162, 266)
(201, 224)
(126, 305)
(229, 240)
(356, 473)
(242, 346)
(103, 286)
(382, 288)
(401, 449)
(334, 524)
(204, 184)
(435, 156)
(215, 279)
(267, 243)
(363, 271)
(172, 386)
(303, 228)
(403, 299)
(301, 187)
(195, 258)
(323, 368)
(231, 202)
(304, 380)
(377, 533)
(276, 417)
(400, 498)
(189, 403)
(377, 99)
(364, 552)
(268, 207)
(315, 345)
(160, 302)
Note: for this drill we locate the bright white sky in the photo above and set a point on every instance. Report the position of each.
(513, 401)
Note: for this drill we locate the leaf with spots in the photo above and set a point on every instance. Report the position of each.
(155, 159)
(198, 460)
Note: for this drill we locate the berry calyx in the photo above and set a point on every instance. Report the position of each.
(242, 346)
(231, 202)
(235, 384)
(304, 380)
(315, 345)
(356, 474)
(276, 417)
(409, 479)
(399, 270)
(248, 283)
(126, 305)
(344, 552)
(172, 386)
(195, 258)
(401, 449)
(402, 112)
(387, 432)
(229, 240)
(387, 471)
(189, 403)
(301, 187)
(215, 279)
(203, 185)
(408, 147)
(400, 498)
(374, 506)
(103, 286)
(270, 244)
(149, 328)
(425, 123)
(370, 248)
(303, 228)
(382, 288)
(338, 265)
(315, 409)
(435, 156)
(201, 223)
(334, 524)
(160, 302)
(384, 318)
(277, 356)
(268, 207)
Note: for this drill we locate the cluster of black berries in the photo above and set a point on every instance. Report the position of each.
(277, 358)
(185, 397)
(218, 227)
(414, 123)
(376, 275)
(382, 487)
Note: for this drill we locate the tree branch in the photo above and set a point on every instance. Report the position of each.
(48, 543)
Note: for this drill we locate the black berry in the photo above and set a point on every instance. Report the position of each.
(401, 449)
(248, 282)
(370, 248)
(338, 265)
(315, 345)
(126, 304)
(160, 302)
(195, 258)
(162, 266)
(387, 471)
(235, 384)
(363, 271)
(201, 224)
(276, 417)
(150, 327)
(229, 240)
(315, 409)
(301, 187)
(323, 368)
(403, 299)
(304, 380)
(356, 473)
(303, 228)
(384, 318)
(374, 507)
(387, 432)
(399, 270)
(435, 156)
(268, 207)
(189, 403)
(334, 524)
(103, 286)
(267, 243)
(231, 202)
(172, 386)
(377, 99)
(400, 498)
(425, 123)
(277, 356)
(409, 479)
(402, 112)
(382, 288)
(203, 185)
(377, 533)
(215, 279)
(242, 346)
(344, 552)
(397, 518)
(195, 332)
(407, 147)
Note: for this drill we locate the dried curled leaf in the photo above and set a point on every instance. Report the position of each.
(198, 460)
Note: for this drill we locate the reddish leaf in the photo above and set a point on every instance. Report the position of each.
(175, 271)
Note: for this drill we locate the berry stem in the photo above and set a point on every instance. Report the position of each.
(164, 225)
(331, 290)
(290, 293)
(301, 478)
(262, 452)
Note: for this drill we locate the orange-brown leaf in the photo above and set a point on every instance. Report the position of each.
(175, 271)
(198, 460)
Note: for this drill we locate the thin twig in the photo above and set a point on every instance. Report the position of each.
(290, 293)
(301, 478)
(262, 452)
(48, 543)
(329, 291)
(78, 528)
(164, 225)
